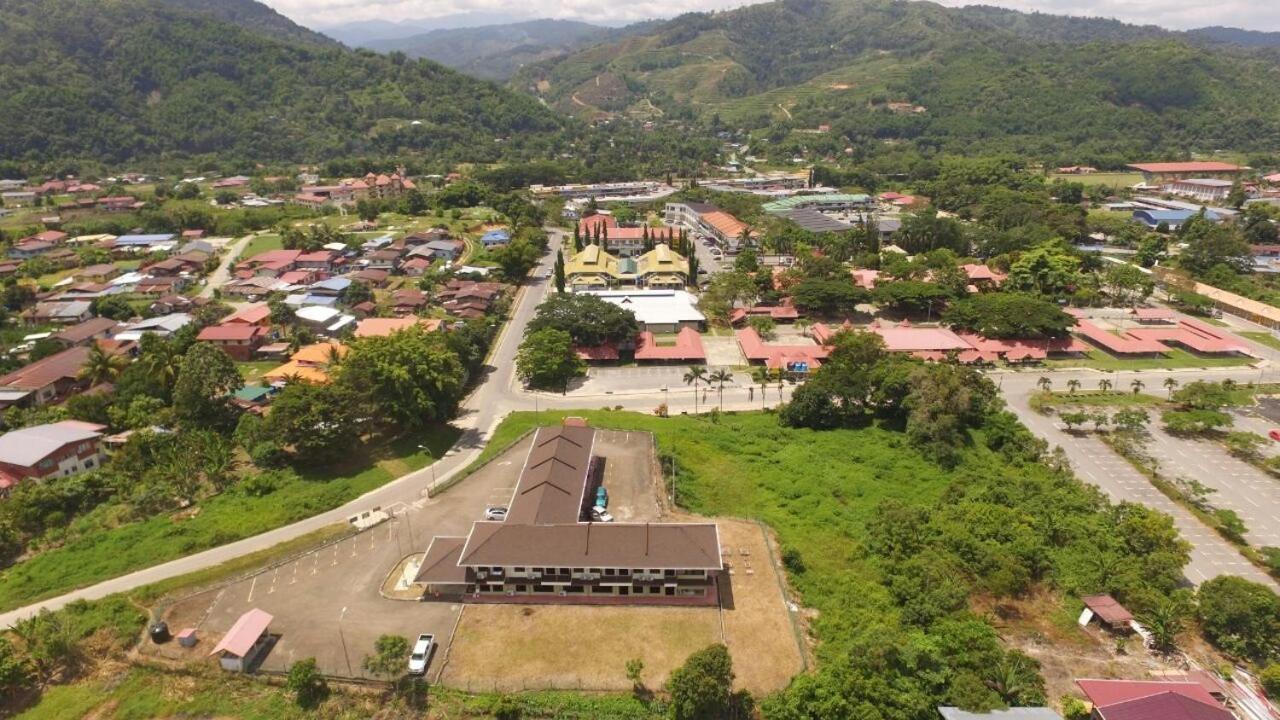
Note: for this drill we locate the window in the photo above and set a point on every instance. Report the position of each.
(88, 463)
(517, 569)
(564, 571)
(608, 572)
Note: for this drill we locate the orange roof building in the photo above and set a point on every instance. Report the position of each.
(310, 363)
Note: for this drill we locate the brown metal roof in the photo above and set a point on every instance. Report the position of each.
(1106, 607)
(86, 330)
(554, 477)
(602, 545)
(440, 566)
(65, 365)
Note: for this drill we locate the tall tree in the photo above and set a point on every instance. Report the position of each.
(205, 379)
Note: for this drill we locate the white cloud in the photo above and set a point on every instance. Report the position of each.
(1178, 14)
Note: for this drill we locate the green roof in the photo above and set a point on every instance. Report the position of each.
(777, 207)
(251, 393)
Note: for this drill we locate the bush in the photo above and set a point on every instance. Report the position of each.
(1270, 679)
(306, 683)
(1241, 617)
(702, 687)
(268, 454)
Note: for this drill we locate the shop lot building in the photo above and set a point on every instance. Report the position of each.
(548, 550)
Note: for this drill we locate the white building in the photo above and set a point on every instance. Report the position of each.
(658, 311)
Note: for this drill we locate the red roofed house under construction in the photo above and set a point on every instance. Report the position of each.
(548, 551)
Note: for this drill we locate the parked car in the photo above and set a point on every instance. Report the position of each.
(599, 514)
(1274, 434)
(495, 513)
(421, 655)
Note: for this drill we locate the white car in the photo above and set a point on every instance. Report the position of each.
(599, 514)
(421, 654)
(495, 513)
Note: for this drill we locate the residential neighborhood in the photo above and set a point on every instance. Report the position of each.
(839, 360)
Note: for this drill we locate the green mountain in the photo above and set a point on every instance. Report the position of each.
(257, 17)
(115, 81)
(972, 79)
(496, 52)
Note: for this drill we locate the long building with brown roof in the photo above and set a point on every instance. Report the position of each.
(549, 550)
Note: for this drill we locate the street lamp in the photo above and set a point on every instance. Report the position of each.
(427, 450)
(345, 655)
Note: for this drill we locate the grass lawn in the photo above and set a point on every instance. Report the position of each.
(100, 554)
(1125, 179)
(262, 243)
(815, 489)
(141, 693)
(1095, 398)
(253, 370)
(1262, 338)
(1102, 360)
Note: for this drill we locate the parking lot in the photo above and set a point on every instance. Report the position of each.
(327, 603)
(650, 378)
(1238, 486)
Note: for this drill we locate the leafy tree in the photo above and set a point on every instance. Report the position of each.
(1073, 419)
(1049, 269)
(1194, 422)
(409, 379)
(701, 689)
(746, 262)
(911, 296)
(1009, 315)
(828, 296)
(113, 307)
(306, 683)
(517, 259)
(1126, 284)
(559, 271)
(588, 320)
(1201, 395)
(547, 359)
(764, 326)
(1210, 245)
(206, 377)
(390, 653)
(928, 231)
(319, 421)
(1241, 617)
(356, 293)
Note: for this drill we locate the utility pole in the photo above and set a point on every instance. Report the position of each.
(345, 655)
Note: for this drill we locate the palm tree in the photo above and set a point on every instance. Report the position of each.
(782, 375)
(761, 375)
(720, 377)
(1045, 383)
(1104, 385)
(1073, 385)
(1165, 621)
(1170, 384)
(1014, 677)
(1137, 386)
(101, 367)
(696, 375)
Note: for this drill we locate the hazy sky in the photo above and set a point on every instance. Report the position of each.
(1179, 14)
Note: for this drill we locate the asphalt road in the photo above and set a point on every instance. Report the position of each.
(222, 273)
(498, 394)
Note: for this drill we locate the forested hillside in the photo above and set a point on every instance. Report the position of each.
(139, 79)
(257, 17)
(495, 52)
(971, 79)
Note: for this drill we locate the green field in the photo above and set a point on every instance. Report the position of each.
(262, 243)
(1263, 338)
(253, 370)
(104, 552)
(1119, 179)
(1176, 359)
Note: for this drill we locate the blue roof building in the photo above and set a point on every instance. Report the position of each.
(495, 237)
(1172, 218)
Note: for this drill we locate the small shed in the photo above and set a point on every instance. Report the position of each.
(1109, 613)
(246, 642)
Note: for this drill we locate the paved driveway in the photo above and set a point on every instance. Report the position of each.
(1094, 462)
(327, 603)
(1239, 486)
